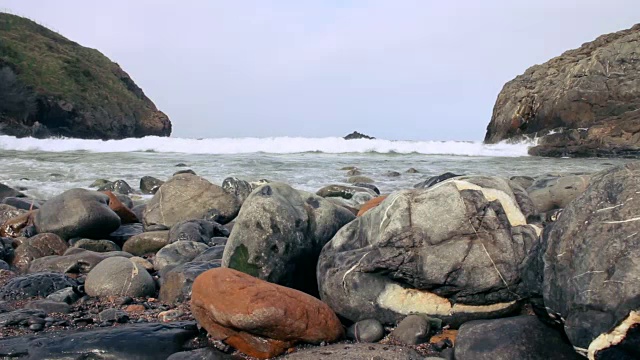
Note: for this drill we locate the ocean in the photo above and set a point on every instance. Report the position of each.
(47, 167)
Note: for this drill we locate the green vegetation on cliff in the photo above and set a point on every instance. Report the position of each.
(77, 91)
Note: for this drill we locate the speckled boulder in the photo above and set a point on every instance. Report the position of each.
(119, 276)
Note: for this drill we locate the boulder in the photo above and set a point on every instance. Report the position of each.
(342, 191)
(126, 215)
(367, 186)
(22, 203)
(8, 211)
(591, 267)
(73, 261)
(368, 331)
(189, 197)
(556, 192)
(49, 306)
(96, 245)
(118, 186)
(176, 283)
(415, 329)
(520, 337)
(19, 225)
(37, 247)
(178, 253)
(454, 251)
(119, 276)
(356, 352)
(196, 230)
(6, 191)
(360, 179)
(146, 243)
(99, 183)
(279, 233)
(213, 253)
(32, 285)
(258, 318)
(435, 180)
(150, 185)
(125, 232)
(77, 213)
(354, 172)
(237, 187)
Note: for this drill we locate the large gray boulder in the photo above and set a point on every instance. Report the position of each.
(197, 230)
(178, 253)
(591, 266)
(556, 191)
(279, 234)
(119, 276)
(454, 251)
(77, 213)
(189, 197)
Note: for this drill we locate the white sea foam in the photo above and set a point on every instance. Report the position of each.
(275, 145)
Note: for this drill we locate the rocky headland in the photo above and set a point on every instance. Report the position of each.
(458, 267)
(52, 86)
(585, 102)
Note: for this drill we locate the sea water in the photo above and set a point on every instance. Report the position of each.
(47, 167)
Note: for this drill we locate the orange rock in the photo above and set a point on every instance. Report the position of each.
(135, 309)
(371, 204)
(259, 318)
(446, 334)
(12, 227)
(126, 215)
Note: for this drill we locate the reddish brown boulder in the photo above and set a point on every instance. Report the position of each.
(371, 204)
(259, 318)
(13, 226)
(126, 215)
(37, 247)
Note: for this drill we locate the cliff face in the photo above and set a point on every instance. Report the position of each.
(50, 86)
(596, 86)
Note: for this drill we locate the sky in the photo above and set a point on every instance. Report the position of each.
(394, 69)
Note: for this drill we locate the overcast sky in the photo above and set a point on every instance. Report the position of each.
(394, 69)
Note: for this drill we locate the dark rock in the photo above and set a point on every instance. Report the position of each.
(196, 230)
(187, 171)
(151, 341)
(7, 192)
(7, 251)
(412, 171)
(8, 212)
(219, 241)
(118, 187)
(114, 315)
(367, 186)
(32, 285)
(189, 197)
(37, 247)
(96, 245)
(461, 261)
(125, 232)
(4, 265)
(357, 135)
(521, 337)
(77, 213)
(413, 330)
(367, 331)
(119, 276)
(36, 327)
(22, 203)
(177, 282)
(73, 261)
(20, 316)
(138, 210)
(49, 306)
(356, 352)
(125, 200)
(345, 192)
(591, 266)
(146, 243)
(435, 180)
(237, 187)
(178, 253)
(211, 254)
(279, 233)
(201, 354)
(392, 174)
(150, 185)
(181, 165)
(67, 295)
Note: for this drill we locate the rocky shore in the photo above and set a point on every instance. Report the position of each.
(458, 267)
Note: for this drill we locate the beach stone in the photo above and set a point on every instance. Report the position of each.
(125, 232)
(201, 354)
(73, 261)
(124, 212)
(67, 295)
(342, 191)
(392, 174)
(591, 267)
(360, 179)
(371, 204)
(343, 203)
(22, 203)
(19, 317)
(96, 245)
(6, 191)
(413, 330)
(354, 172)
(258, 318)
(186, 171)
(213, 253)
(33, 285)
(118, 186)
(435, 180)
(556, 192)
(147, 341)
(237, 187)
(367, 186)
(146, 243)
(520, 337)
(367, 331)
(138, 210)
(356, 352)
(196, 230)
(37, 247)
(142, 262)
(99, 182)
(125, 200)
(7, 212)
(77, 213)
(18, 225)
(279, 233)
(4, 265)
(178, 253)
(150, 185)
(454, 251)
(49, 306)
(189, 197)
(524, 181)
(177, 283)
(412, 171)
(119, 276)
(113, 315)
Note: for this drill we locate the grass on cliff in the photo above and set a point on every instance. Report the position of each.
(53, 65)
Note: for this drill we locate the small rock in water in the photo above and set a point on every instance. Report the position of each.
(369, 331)
(99, 183)
(181, 165)
(150, 185)
(348, 168)
(412, 171)
(360, 179)
(392, 174)
(354, 172)
(187, 171)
